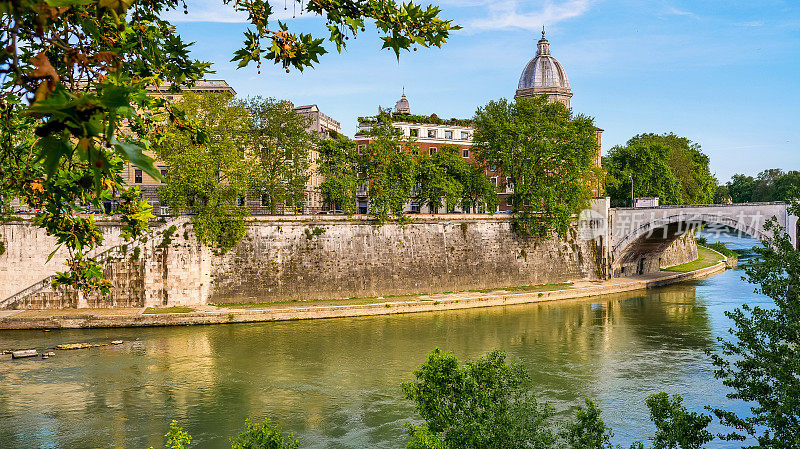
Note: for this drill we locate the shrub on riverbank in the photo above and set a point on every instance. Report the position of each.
(721, 248)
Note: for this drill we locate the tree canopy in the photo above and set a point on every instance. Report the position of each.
(547, 154)
(279, 148)
(770, 185)
(668, 166)
(646, 166)
(207, 180)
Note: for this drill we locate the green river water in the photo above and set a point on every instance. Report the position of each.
(335, 383)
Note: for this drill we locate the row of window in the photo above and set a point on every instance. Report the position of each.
(434, 133)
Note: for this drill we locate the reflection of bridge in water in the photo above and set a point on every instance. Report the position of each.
(635, 238)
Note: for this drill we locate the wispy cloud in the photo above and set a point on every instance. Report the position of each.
(679, 12)
(514, 14)
(216, 11)
(753, 24)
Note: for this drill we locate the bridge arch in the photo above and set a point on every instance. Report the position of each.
(639, 237)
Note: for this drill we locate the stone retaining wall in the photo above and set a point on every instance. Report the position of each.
(308, 257)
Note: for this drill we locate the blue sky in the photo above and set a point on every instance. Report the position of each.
(725, 74)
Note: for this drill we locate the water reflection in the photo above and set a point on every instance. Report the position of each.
(336, 382)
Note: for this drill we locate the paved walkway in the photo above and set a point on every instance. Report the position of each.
(91, 318)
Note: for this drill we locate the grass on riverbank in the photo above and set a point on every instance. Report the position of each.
(176, 309)
(705, 259)
(362, 300)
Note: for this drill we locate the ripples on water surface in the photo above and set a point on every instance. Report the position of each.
(335, 383)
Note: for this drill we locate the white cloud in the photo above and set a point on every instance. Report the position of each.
(514, 14)
(216, 11)
(679, 12)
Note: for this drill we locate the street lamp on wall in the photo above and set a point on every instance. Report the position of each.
(632, 197)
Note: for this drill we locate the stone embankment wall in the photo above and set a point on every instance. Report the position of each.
(288, 258)
(165, 267)
(27, 248)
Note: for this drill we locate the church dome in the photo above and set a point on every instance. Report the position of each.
(402, 105)
(543, 71)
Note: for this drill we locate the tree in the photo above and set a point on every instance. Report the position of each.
(280, 147)
(339, 164)
(80, 69)
(741, 188)
(646, 165)
(547, 153)
(479, 192)
(588, 431)
(675, 426)
(389, 172)
(761, 362)
(722, 195)
(787, 187)
(688, 163)
(209, 179)
(487, 403)
(263, 436)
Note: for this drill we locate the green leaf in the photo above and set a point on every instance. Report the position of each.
(134, 154)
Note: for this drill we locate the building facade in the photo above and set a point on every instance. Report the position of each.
(325, 128)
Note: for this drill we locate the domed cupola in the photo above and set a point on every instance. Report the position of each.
(402, 105)
(545, 75)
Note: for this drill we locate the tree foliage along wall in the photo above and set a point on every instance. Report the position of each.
(339, 164)
(76, 71)
(279, 147)
(389, 173)
(668, 166)
(770, 185)
(548, 155)
(442, 179)
(446, 179)
(207, 179)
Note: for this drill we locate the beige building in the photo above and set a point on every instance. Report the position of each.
(325, 128)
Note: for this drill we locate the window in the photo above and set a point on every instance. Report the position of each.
(432, 133)
(414, 132)
(240, 201)
(163, 173)
(494, 167)
(264, 200)
(361, 147)
(464, 135)
(398, 130)
(137, 176)
(465, 153)
(431, 150)
(448, 135)
(494, 181)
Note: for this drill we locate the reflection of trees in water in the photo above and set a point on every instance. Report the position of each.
(338, 380)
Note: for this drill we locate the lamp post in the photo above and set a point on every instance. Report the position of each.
(632, 197)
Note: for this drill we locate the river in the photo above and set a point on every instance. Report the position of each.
(335, 383)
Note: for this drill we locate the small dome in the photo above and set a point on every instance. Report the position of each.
(402, 105)
(543, 71)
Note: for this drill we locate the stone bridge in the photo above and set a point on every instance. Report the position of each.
(635, 238)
